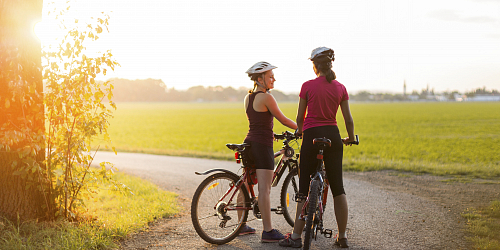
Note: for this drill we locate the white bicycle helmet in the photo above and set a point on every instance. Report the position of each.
(259, 67)
(322, 51)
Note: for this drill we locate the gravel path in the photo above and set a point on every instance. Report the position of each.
(379, 217)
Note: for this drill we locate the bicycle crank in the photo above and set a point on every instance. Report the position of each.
(278, 210)
(256, 210)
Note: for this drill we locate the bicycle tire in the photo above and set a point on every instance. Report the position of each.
(207, 213)
(311, 212)
(288, 191)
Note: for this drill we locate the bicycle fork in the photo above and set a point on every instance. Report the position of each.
(325, 231)
(328, 233)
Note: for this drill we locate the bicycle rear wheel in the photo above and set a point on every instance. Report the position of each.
(311, 220)
(289, 190)
(217, 221)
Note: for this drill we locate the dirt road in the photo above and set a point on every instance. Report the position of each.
(379, 218)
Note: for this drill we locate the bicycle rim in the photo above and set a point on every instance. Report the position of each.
(215, 221)
(288, 191)
(311, 214)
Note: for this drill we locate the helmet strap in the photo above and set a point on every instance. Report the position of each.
(262, 85)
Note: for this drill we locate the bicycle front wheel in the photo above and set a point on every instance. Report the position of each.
(289, 190)
(311, 220)
(216, 218)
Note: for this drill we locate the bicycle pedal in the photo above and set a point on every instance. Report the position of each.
(327, 233)
(278, 210)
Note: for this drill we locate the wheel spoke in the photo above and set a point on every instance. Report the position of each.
(210, 212)
(202, 218)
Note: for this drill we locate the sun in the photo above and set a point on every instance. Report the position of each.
(46, 32)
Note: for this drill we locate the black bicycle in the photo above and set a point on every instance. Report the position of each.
(315, 203)
(221, 203)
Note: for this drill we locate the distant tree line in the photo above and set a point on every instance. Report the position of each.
(155, 90)
(424, 95)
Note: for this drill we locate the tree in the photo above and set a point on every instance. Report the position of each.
(45, 172)
(362, 96)
(76, 117)
(21, 111)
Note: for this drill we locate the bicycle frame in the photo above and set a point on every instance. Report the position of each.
(237, 185)
(233, 194)
(283, 164)
(324, 184)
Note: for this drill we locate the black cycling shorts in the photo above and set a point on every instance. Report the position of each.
(332, 157)
(262, 155)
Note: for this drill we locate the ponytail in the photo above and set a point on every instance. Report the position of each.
(330, 76)
(324, 65)
(254, 86)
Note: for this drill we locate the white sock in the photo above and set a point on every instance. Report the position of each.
(342, 235)
(295, 236)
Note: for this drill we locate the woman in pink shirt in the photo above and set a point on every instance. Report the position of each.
(321, 98)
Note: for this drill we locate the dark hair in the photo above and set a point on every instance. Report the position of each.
(324, 65)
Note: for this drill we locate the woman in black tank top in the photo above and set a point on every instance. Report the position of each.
(261, 108)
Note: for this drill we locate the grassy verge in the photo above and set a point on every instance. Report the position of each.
(483, 171)
(111, 216)
(484, 224)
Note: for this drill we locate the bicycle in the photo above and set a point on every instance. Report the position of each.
(216, 216)
(315, 203)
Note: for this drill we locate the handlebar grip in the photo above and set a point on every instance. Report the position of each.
(279, 137)
(356, 140)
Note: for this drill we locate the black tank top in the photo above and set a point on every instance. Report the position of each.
(260, 124)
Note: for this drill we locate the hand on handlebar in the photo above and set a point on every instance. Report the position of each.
(350, 141)
(347, 141)
(297, 134)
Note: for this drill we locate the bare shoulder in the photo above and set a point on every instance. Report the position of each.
(246, 100)
(266, 98)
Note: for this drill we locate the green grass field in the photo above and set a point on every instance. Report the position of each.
(437, 138)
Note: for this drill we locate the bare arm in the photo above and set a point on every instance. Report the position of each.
(301, 114)
(349, 122)
(272, 106)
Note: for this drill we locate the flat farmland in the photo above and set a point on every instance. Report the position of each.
(438, 138)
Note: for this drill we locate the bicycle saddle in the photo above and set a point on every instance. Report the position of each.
(238, 147)
(322, 142)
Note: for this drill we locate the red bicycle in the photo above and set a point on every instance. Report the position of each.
(222, 201)
(315, 203)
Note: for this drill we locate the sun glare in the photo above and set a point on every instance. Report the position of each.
(46, 32)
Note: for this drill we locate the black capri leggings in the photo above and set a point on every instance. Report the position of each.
(332, 157)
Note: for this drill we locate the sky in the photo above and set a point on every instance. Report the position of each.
(379, 44)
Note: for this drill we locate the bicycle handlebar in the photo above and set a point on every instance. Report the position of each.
(356, 140)
(287, 135)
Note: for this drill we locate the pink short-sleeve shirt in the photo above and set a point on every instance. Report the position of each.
(323, 100)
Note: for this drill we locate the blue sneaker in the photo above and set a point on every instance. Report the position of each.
(247, 230)
(289, 242)
(272, 236)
